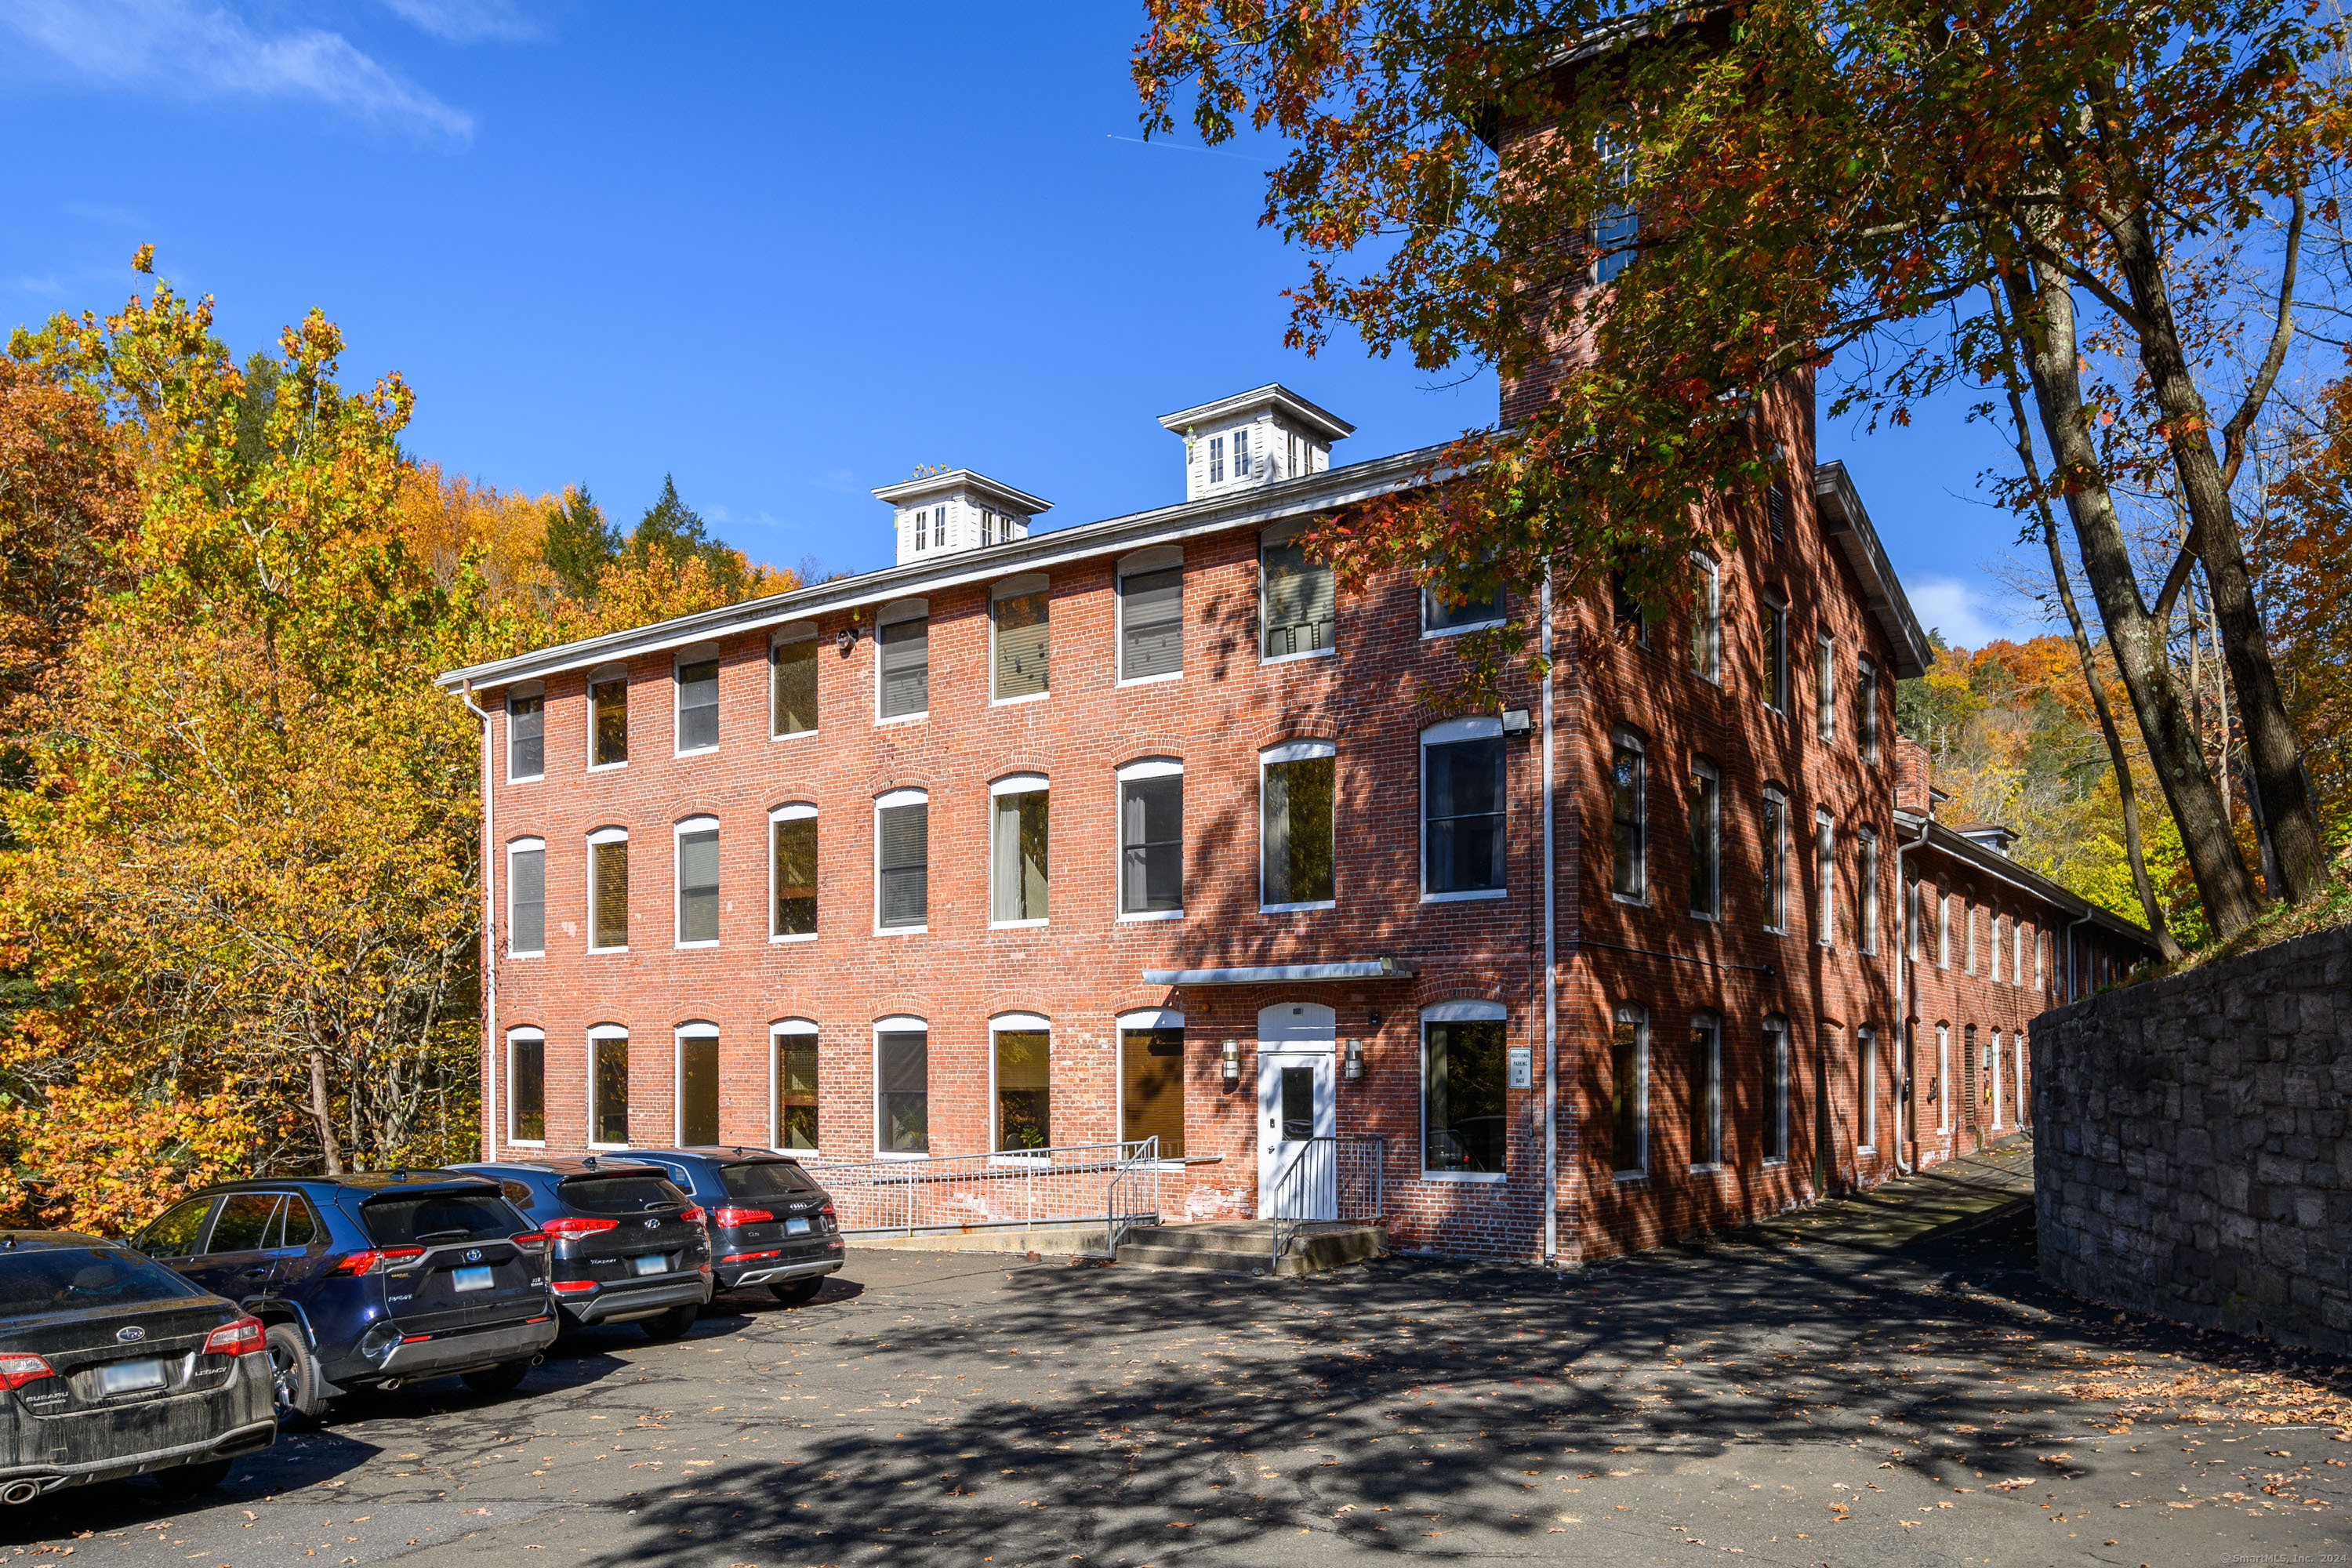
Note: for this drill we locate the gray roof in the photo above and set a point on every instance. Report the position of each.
(1955, 845)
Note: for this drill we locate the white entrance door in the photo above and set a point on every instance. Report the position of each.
(1297, 1112)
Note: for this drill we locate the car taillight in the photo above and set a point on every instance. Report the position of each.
(729, 1216)
(242, 1337)
(16, 1371)
(828, 1207)
(570, 1286)
(376, 1261)
(748, 1257)
(692, 1214)
(577, 1227)
(529, 1238)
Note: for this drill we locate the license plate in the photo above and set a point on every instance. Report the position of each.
(475, 1279)
(129, 1377)
(651, 1263)
(796, 1227)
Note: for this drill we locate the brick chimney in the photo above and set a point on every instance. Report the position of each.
(1914, 778)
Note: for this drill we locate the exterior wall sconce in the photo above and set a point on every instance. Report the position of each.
(1233, 1061)
(1515, 722)
(846, 640)
(1355, 1064)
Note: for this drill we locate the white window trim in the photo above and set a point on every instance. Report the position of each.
(896, 1023)
(1995, 953)
(1147, 768)
(602, 835)
(794, 811)
(1457, 1012)
(1275, 537)
(1157, 558)
(1779, 1091)
(1943, 1078)
(1943, 927)
(1776, 855)
(678, 830)
(1293, 752)
(1710, 1020)
(693, 1029)
(526, 1034)
(1865, 676)
(1015, 783)
(890, 614)
(702, 652)
(1993, 1056)
(1825, 877)
(1777, 655)
(883, 802)
(1866, 849)
(524, 846)
(1710, 609)
(525, 688)
(1015, 1158)
(1429, 603)
(1014, 588)
(797, 631)
(1474, 727)
(777, 1032)
(595, 1033)
(1626, 738)
(1825, 687)
(1137, 1018)
(1641, 1022)
(1701, 768)
(596, 677)
(1866, 1046)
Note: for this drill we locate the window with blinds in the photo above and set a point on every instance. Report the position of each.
(902, 1099)
(1151, 624)
(1021, 644)
(698, 886)
(526, 897)
(697, 705)
(904, 864)
(1297, 601)
(526, 737)
(792, 666)
(906, 666)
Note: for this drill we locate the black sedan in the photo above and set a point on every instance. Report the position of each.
(628, 1248)
(112, 1365)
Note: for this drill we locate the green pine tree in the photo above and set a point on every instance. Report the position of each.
(580, 543)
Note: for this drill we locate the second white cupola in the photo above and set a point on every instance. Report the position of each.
(1262, 436)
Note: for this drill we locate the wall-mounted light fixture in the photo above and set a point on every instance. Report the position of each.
(1516, 722)
(846, 640)
(1233, 1061)
(1355, 1068)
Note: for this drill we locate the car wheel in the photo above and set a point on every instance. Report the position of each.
(797, 1292)
(293, 1378)
(187, 1480)
(673, 1323)
(502, 1378)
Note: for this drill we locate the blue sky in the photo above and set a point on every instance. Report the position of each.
(786, 252)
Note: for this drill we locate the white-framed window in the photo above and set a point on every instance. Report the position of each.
(2016, 951)
(1465, 1118)
(1943, 927)
(1463, 803)
(922, 529)
(1866, 865)
(2017, 1074)
(1626, 622)
(1242, 469)
(1705, 1089)
(696, 679)
(1020, 849)
(1296, 786)
(792, 1069)
(695, 1102)
(1706, 620)
(1825, 687)
(1968, 958)
(1775, 651)
(1912, 920)
(608, 890)
(2040, 951)
(1021, 1083)
(1297, 603)
(1151, 1078)
(1825, 879)
(902, 861)
(526, 897)
(1774, 829)
(792, 872)
(1629, 819)
(1993, 1061)
(1150, 608)
(791, 680)
(1865, 1044)
(1629, 1090)
(1865, 707)
(697, 881)
(1614, 226)
(526, 1086)
(1776, 1091)
(1704, 808)
(608, 1087)
(1216, 459)
(1996, 944)
(902, 1088)
(1444, 611)
(608, 716)
(1020, 628)
(1943, 1078)
(1151, 839)
(526, 733)
(902, 661)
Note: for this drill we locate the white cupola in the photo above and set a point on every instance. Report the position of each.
(954, 509)
(1258, 437)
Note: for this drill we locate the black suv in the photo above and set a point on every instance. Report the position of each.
(770, 1223)
(629, 1246)
(369, 1280)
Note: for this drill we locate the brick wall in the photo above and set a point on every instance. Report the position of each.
(2192, 1158)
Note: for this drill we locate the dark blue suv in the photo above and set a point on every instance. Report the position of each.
(369, 1280)
(769, 1222)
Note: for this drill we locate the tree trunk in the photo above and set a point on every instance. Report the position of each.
(2043, 311)
(323, 1112)
(2273, 752)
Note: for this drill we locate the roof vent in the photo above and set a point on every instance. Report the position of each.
(944, 510)
(1262, 436)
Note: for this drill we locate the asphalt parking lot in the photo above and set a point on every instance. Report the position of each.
(1807, 1392)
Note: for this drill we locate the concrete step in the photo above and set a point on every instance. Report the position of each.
(1245, 1246)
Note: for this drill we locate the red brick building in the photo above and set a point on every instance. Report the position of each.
(1141, 828)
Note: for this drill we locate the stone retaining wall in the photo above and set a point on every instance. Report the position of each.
(2190, 1156)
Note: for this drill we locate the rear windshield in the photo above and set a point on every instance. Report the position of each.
(620, 1194)
(428, 1219)
(65, 1277)
(765, 1178)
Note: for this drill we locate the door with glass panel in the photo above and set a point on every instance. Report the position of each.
(1297, 1156)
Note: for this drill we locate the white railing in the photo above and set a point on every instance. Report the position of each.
(1329, 1178)
(1117, 1184)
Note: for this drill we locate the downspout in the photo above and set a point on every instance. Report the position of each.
(1909, 1036)
(2073, 975)
(490, 941)
(1552, 966)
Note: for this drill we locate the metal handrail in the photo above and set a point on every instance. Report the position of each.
(1058, 1185)
(1119, 1221)
(1288, 1202)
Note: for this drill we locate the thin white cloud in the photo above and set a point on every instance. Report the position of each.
(1962, 611)
(185, 49)
(465, 21)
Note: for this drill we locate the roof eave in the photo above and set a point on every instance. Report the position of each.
(1846, 520)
